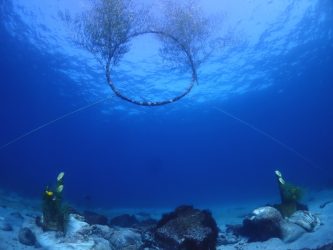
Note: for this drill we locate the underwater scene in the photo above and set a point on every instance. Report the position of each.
(166, 125)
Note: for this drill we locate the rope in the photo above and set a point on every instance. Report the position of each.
(271, 137)
(51, 122)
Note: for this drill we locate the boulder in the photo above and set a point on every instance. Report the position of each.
(266, 213)
(261, 225)
(5, 226)
(93, 218)
(141, 221)
(124, 220)
(188, 229)
(26, 237)
(325, 247)
(125, 239)
(290, 231)
(305, 219)
(75, 224)
(266, 222)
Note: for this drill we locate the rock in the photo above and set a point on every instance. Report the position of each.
(290, 231)
(145, 221)
(50, 241)
(38, 222)
(140, 221)
(305, 219)
(227, 239)
(75, 224)
(124, 220)
(101, 231)
(26, 237)
(263, 224)
(266, 213)
(86, 238)
(101, 244)
(267, 222)
(93, 218)
(82, 236)
(188, 229)
(4, 225)
(125, 239)
(325, 247)
(142, 216)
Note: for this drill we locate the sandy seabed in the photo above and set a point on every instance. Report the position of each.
(25, 211)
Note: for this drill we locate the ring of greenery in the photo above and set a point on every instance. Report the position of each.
(162, 102)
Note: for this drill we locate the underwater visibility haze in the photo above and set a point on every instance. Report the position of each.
(262, 100)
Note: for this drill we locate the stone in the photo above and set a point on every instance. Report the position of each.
(125, 239)
(141, 221)
(290, 231)
(305, 219)
(75, 224)
(49, 241)
(4, 225)
(26, 237)
(262, 224)
(325, 247)
(101, 244)
(266, 213)
(93, 218)
(124, 220)
(187, 228)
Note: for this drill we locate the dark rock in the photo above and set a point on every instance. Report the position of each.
(325, 247)
(124, 220)
(290, 231)
(93, 218)
(266, 223)
(125, 239)
(260, 230)
(141, 216)
(5, 226)
(228, 237)
(38, 221)
(187, 229)
(234, 229)
(148, 222)
(263, 224)
(26, 237)
(145, 221)
(141, 221)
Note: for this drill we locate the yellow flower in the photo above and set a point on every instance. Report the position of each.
(49, 193)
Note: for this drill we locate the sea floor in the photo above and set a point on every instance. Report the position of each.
(22, 213)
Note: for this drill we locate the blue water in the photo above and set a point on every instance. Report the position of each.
(121, 155)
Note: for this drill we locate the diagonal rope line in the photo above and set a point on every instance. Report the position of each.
(51, 122)
(269, 136)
